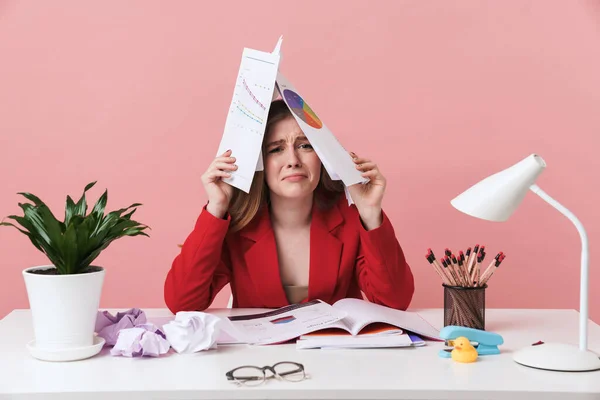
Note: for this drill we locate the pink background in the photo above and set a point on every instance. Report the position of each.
(441, 94)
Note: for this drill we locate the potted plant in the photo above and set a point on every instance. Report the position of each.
(64, 296)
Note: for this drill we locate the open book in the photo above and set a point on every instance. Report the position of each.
(350, 317)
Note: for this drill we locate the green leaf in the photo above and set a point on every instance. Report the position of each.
(98, 209)
(42, 207)
(55, 234)
(92, 256)
(34, 218)
(69, 210)
(122, 226)
(136, 232)
(111, 219)
(22, 221)
(69, 250)
(36, 236)
(81, 206)
(129, 214)
(32, 198)
(31, 237)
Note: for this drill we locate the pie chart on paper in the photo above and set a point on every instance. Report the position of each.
(301, 109)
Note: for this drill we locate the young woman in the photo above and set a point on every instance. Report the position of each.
(293, 238)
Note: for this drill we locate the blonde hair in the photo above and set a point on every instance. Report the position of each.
(244, 206)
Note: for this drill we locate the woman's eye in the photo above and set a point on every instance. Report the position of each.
(306, 146)
(275, 150)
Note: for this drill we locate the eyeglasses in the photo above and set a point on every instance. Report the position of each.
(250, 375)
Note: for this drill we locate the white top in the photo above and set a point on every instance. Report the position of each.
(335, 374)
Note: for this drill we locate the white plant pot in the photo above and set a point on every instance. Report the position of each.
(64, 310)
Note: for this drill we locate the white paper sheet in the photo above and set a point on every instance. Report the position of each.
(247, 117)
(276, 51)
(335, 158)
(284, 323)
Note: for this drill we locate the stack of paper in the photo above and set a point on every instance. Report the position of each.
(376, 336)
(356, 342)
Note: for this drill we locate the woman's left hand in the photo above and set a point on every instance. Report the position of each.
(368, 197)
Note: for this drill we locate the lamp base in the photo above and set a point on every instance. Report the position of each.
(557, 357)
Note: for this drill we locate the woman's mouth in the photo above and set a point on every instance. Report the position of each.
(294, 177)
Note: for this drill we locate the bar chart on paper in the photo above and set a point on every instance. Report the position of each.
(247, 116)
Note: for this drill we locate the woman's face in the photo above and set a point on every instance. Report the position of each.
(292, 168)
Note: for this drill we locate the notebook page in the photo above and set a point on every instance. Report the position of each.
(362, 313)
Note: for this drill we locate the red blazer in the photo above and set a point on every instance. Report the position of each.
(345, 259)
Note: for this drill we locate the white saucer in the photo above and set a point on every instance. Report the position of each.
(77, 353)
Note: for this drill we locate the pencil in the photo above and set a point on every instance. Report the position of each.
(473, 258)
(459, 270)
(487, 270)
(499, 257)
(458, 265)
(496, 265)
(454, 271)
(429, 258)
(482, 253)
(462, 256)
(446, 272)
(446, 266)
(466, 259)
(437, 264)
(463, 266)
(475, 269)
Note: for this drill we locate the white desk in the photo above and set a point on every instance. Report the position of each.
(409, 373)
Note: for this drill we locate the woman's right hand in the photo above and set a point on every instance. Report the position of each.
(219, 193)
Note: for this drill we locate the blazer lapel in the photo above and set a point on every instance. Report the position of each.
(262, 262)
(325, 253)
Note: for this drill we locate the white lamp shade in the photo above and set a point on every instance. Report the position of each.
(496, 197)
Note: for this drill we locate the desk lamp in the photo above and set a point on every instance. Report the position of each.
(494, 199)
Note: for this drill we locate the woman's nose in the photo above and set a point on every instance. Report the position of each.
(293, 160)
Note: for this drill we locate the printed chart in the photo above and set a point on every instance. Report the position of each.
(246, 119)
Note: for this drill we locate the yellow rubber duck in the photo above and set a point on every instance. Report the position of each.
(463, 351)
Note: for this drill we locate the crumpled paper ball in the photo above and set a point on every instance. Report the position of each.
(108, 325)
(193, 331)
(142, 340)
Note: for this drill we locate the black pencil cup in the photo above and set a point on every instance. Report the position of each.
(464, 306)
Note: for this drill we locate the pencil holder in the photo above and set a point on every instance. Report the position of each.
(464, 306)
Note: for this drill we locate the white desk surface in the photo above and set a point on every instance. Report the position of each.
(405, 373)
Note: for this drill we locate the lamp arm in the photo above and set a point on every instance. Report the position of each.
(583, 293)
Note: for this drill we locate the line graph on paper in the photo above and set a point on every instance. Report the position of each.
(247, 115)
(249, 101)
